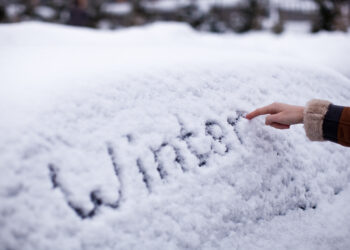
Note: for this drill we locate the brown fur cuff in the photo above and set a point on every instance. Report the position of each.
(314, 113)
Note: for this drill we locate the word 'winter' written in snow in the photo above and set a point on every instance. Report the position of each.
(164, 167)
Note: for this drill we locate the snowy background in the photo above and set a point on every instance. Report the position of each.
(135, 139)
(218, 16)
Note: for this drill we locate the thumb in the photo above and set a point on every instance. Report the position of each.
(276, 118)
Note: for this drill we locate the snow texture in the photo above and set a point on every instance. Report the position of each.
(136, 140)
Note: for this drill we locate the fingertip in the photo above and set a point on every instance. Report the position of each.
(250, 115)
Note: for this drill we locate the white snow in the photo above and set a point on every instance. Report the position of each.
(135, 140)
(13, 10)
(45, 12)
(203, 5)
(206, 5)
(165, 5)
(117, 8)
(298, 27)
(296, 5)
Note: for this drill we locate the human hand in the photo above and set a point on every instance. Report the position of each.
(281, 115)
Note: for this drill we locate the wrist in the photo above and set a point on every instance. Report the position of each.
(301, 111)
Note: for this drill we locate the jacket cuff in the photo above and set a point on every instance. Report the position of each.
(314, 114)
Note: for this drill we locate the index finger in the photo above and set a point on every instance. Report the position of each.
(269, 109)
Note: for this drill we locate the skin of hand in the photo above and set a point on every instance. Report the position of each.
(280, 115)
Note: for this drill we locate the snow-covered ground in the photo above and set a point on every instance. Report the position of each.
(135, 140)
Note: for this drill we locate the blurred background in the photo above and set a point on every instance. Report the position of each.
(207, 15)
